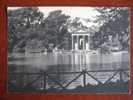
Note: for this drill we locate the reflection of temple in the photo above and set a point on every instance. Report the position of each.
(82, 60)
(80, 41)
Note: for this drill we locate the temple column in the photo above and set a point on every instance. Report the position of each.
(77, 42)
(88, 46)
(72, 42)
(84, 42)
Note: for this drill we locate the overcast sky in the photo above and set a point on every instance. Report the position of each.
(82, 12)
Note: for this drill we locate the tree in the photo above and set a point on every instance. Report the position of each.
(19, 21)
(27, 26)
(56, 28)
(113, 21)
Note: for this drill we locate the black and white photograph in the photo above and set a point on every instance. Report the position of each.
(68, 49)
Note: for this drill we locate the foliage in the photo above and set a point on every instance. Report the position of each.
(27, 25)
(19, 21)
(56, 28)
(113, 22)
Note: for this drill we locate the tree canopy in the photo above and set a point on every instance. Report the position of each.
(113, 22)
(28, 27)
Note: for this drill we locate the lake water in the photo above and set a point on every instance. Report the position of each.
(66, 62)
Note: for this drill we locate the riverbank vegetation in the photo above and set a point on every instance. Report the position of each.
(30, 29)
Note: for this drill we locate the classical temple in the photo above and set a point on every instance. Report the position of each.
(80, 41)
(80, 36)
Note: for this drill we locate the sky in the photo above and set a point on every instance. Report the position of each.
(82, 12)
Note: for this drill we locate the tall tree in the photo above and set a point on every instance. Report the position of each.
(19, 21)
(56, 28)
(114, 21)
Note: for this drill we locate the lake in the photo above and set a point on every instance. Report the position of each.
(65, 62)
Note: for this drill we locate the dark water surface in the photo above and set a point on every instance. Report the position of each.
(66, 62)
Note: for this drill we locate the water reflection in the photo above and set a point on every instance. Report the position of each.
(68, 62)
